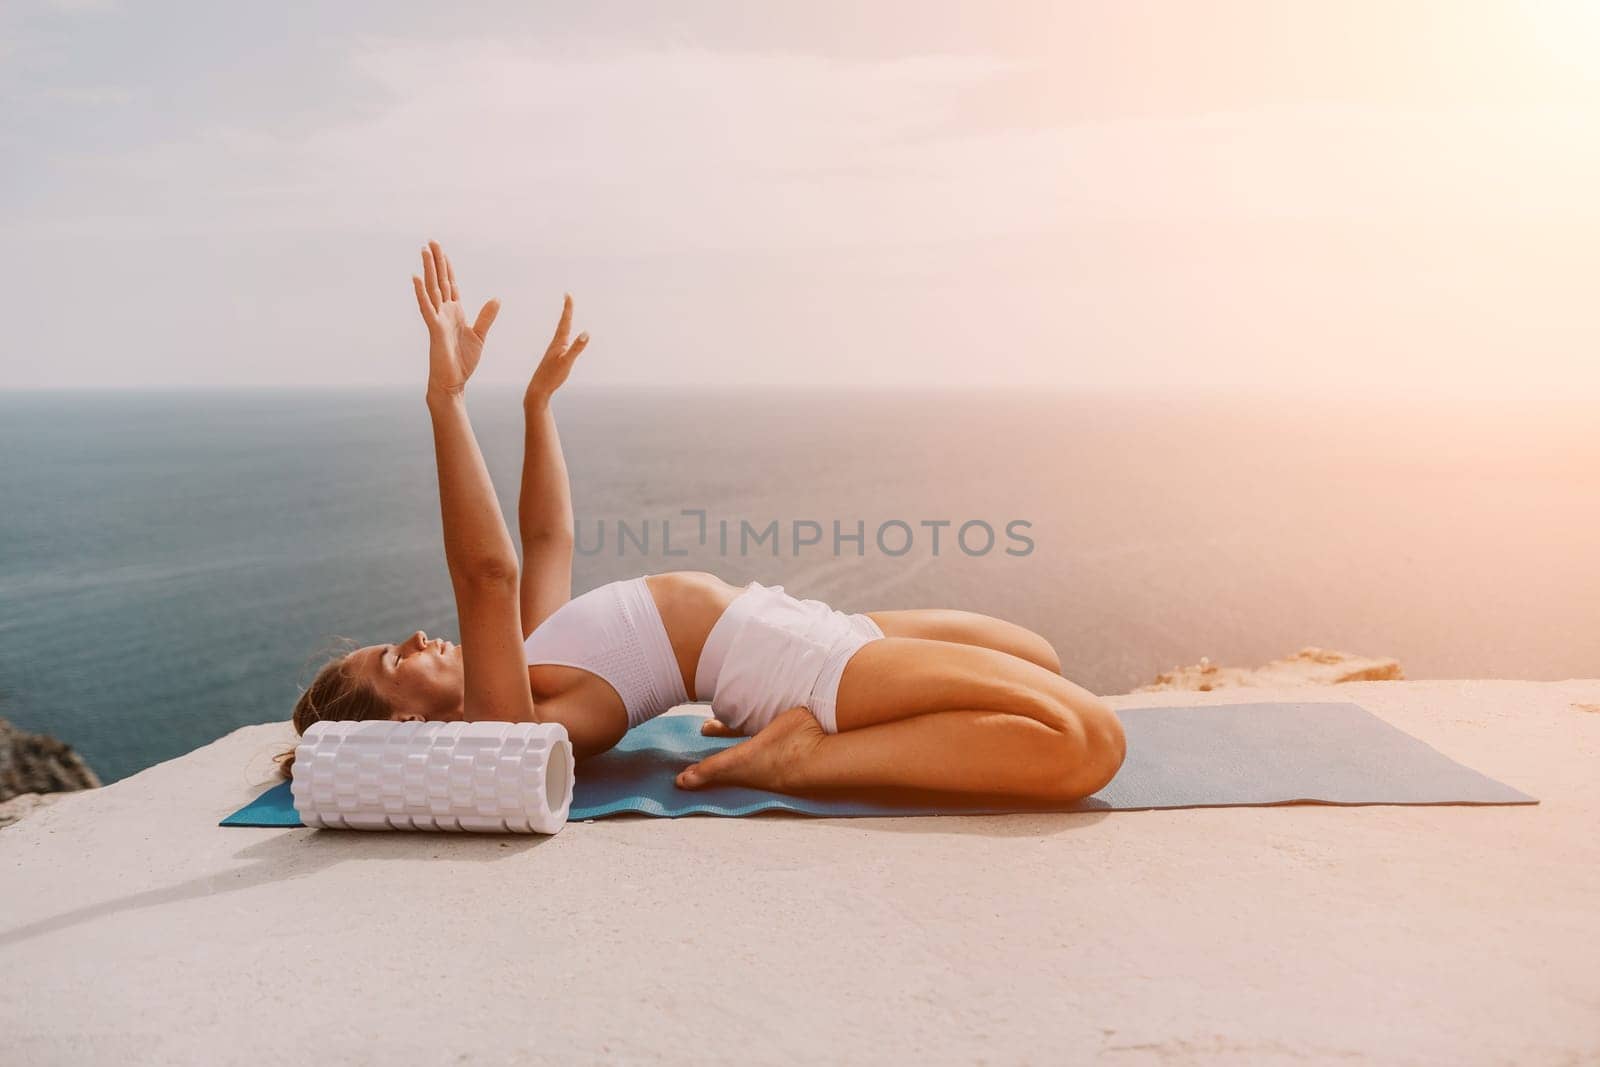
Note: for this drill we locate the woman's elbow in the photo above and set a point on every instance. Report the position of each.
(491, 573)
(582, 751)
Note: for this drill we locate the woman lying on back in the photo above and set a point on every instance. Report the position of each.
(924, 698)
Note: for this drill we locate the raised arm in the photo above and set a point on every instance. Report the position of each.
(544, 511)
(477, 547)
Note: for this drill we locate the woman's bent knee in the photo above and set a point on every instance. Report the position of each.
(1109, 747)
(1092, 752)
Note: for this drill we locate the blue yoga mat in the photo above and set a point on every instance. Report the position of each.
(1225, 755)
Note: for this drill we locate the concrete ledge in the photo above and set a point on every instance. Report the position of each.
(134, 929)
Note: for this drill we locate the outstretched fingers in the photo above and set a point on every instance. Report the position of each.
(450, 290)
(430, 275)
(424, 304)
(486, 319)
(558, 343)
(560, 354)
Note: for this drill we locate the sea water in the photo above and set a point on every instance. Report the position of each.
(173, 564)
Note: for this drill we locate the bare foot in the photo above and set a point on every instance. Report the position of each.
(766, 761)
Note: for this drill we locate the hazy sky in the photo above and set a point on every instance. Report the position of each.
(1384, 195)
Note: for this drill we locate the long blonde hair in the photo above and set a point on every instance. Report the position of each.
(334, 695)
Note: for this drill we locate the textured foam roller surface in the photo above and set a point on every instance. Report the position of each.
(489, 777)
(1178, 757)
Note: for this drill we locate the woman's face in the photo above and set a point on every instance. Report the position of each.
(420, 678)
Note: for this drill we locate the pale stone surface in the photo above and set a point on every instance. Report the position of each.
(135, 930)
(1309, 666)
(24, 804)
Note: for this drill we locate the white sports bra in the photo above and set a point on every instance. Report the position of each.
(615, 632)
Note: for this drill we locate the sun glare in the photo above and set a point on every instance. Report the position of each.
(1568, 32)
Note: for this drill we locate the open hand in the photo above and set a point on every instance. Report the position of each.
(454, 348)
(558, 359)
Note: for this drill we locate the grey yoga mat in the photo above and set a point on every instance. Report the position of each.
(1178, 757)
(1251, 754)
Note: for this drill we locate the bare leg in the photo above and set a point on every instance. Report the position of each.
(968, 628)
(935, 715)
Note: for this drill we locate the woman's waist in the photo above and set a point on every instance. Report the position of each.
(772, 608)
(691, 604)
(702, 614)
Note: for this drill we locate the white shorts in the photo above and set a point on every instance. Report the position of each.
(770, 652)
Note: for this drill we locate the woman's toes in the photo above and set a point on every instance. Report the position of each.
(711, 770)
(765, 761)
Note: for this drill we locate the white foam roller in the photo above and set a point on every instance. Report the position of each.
(489, 777)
